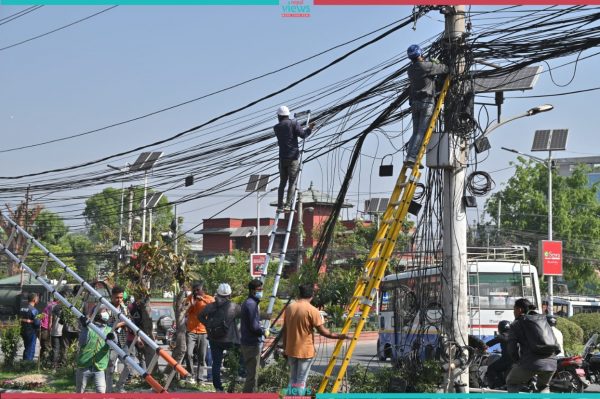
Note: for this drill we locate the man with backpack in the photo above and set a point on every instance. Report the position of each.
(533, 348)
(219, 318)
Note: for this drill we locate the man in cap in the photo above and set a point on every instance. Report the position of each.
(421, 74)
(219, 318)
(287, 132)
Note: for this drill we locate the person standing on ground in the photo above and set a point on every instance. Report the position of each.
(287, 132)
(300, 320)
(252, 334)
(56, 333)
(421, 74)
(94, 354)
(219, 318)
(120, 330)
(523, 342)
(30, 324)
(196, 339)
(45, 336)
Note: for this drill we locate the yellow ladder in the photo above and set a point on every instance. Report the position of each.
(381, 251)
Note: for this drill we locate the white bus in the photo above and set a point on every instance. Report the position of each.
(497, 278)
(569, 305)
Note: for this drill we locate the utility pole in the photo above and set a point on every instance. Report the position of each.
(300, 232)
(130, 217)
(176, 229)
(550, 278)
(455, 269)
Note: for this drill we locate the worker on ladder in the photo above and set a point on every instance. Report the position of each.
(421, 74)
(287, 132)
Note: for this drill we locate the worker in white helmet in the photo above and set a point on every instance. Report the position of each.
(287, 132)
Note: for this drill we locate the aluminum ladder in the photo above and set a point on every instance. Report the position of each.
(288, 231)
(379, 257)
(87, 320)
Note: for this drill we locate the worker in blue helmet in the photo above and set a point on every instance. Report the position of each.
(421, 74)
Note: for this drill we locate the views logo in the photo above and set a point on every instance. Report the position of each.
(295, 9)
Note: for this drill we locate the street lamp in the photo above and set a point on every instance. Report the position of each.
(482, 141)
(542, 142)
(122, 170)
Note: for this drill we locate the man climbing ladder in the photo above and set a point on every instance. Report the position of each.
(380, 255)
(287, 132)
(421, 74)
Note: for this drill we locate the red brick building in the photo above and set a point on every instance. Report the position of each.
(223, 235)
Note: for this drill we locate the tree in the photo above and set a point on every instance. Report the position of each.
(49, 228)
(103, 210)
(24, 216)
(576, 223)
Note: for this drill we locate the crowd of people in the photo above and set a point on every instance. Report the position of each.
(215, 325)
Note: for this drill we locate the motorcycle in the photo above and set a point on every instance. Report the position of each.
(591, 360)
(570, 377)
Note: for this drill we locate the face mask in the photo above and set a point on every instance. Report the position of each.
(104, 316)
(258, 294)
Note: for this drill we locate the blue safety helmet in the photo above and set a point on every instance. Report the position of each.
(414, 52)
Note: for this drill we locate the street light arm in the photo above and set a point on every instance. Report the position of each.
(536, 159)
(529, 112)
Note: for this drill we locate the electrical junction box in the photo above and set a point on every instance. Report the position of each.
(446, 151)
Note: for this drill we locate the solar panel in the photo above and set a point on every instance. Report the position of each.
(523, 79)
(152, 200)
(550, 140)
(145, 161)
(257, 183)
(376, 205)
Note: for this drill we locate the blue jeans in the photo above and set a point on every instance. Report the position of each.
(299, 369)
(216, 350)
(82, 376)
(421, 115)
(29, 338)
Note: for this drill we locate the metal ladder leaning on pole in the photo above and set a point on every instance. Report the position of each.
(381, 251)
(288, 229)
(84, 319)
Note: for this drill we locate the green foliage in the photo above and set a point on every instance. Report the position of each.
(575, 218)
(10, 342)
(363, 380)
(274, 377)
(102, 214)
(336, 287)
(231, 363)
(232, 269)
(589, 323)
(572, 335)
(49, 228)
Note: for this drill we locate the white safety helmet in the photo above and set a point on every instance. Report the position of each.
(224, 289)
(283, 111)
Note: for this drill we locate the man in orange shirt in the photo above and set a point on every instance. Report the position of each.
(196, 332)
(301, 318)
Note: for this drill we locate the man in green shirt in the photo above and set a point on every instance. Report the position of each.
(94, 354)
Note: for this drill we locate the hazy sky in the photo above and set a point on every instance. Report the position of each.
(132, 60)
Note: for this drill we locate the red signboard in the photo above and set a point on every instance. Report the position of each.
(550, 258)
(257, 262)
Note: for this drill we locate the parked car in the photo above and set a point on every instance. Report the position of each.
(163, 320)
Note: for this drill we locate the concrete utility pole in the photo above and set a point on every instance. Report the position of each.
(550, 278)
(300, 232)
(130, 217)
(455, 268)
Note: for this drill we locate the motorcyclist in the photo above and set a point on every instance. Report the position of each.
(496, 370)
(558, 334)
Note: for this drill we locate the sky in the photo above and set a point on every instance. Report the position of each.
(132, 60)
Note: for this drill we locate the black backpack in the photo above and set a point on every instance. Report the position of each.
(539, 335)
(214, 321)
